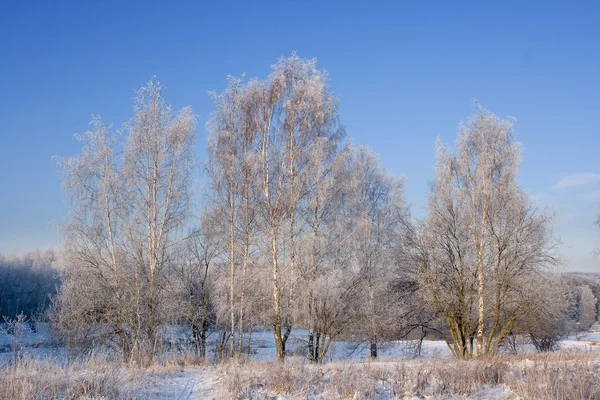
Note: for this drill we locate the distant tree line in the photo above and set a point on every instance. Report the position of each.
(296, 227)
(27, 284)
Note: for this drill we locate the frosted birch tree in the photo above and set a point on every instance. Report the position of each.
(157, 169)
(481, 237)
(323, 248)
(94, 243)
(225, 134)
(128, 209)
(381, 223)
(275, 124)
(298, 112)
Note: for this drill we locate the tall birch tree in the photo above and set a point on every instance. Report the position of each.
(264, 131)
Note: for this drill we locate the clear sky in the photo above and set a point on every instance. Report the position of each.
(405, 73)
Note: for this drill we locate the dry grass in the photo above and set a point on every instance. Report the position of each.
(178, 362)
(93, 379)
(561, 375)
(570, 376)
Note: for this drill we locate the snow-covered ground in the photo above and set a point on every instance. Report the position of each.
(190, 384)
(263, 348)
(40, 344)
(588, 341)
(43, 345)
(204, 382)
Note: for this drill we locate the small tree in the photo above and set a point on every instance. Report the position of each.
(587, 307)
(546, 321)
(381, 220)
(193, 269)
(15, 327)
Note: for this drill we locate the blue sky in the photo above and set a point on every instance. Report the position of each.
(405, 73)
